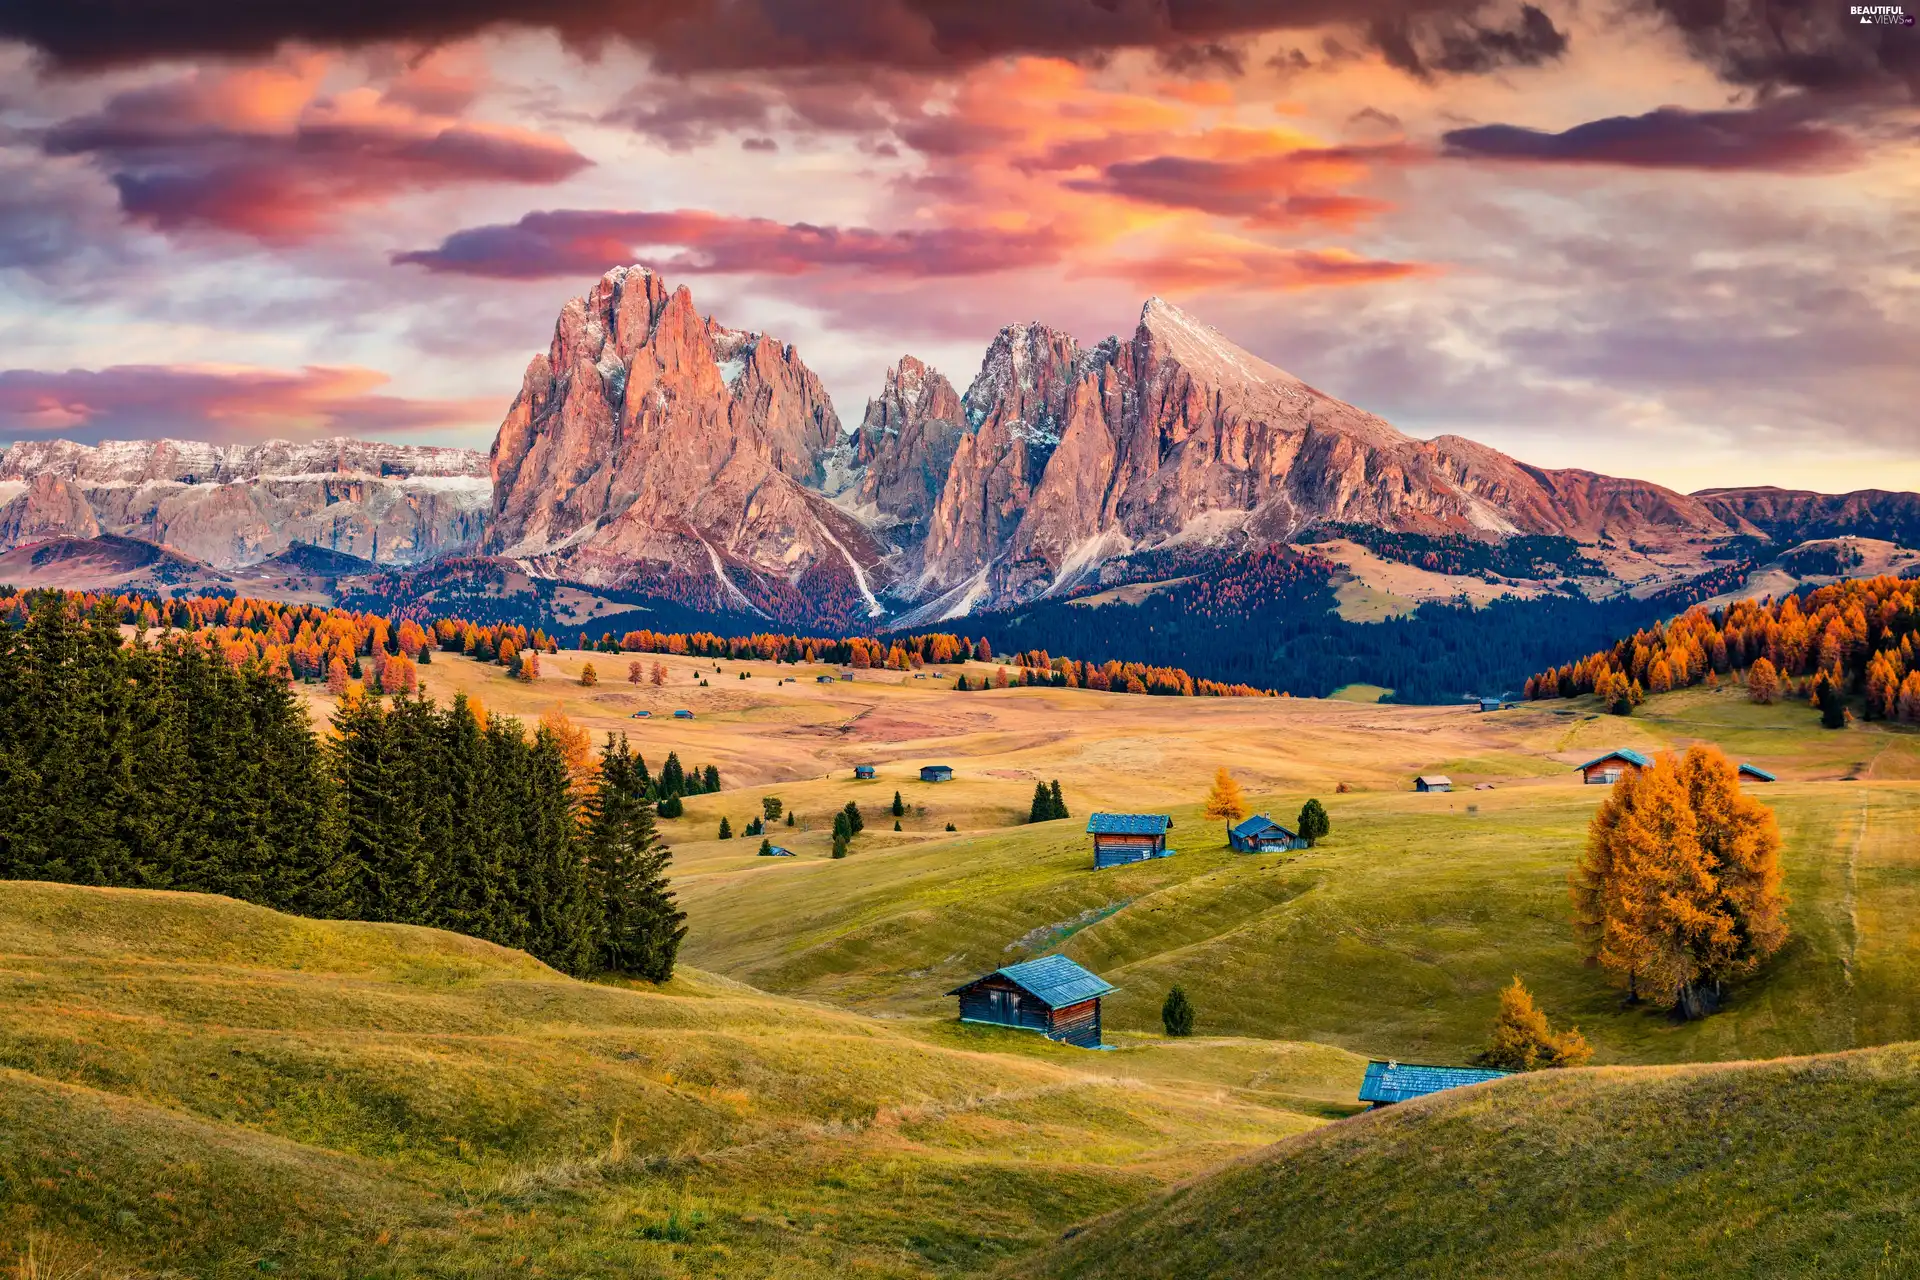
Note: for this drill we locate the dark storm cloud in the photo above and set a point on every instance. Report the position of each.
(1455, 45)
(1670, 138)
(1797, 44)
(572, 242)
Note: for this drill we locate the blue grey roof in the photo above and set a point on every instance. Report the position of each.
(1257, 823)
(1128, 824)
(1055, 981)
(1399, 1081)
(1624, 753)
(1757, 772)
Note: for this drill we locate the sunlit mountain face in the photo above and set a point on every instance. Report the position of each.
(1648, 239)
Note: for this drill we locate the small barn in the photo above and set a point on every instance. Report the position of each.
(1261, 834)
(936, 773)
(864, 772)
(1605, 770)
(1389, 1082)
(643, 715)
(777, 851)
(846, 675)
(823, 679)
(1433, 782)
(1756, 773)
(683, 715)
(1051, 995)
(1492, 704)
(1120, 838)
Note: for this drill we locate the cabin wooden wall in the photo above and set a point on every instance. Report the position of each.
(1077, 1024)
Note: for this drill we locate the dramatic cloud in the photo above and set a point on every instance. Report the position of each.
(692, 35)
(1670, 138)
(218, 403)
(1802, 44)
(1251, 266)
(573, 242)
(1452, 44)
(1288, 188)
(264, 152)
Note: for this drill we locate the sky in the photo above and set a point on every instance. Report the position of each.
(1671, 239)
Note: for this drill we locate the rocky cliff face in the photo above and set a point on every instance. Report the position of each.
(654, 448)
(1074, 457)
(902, 452)
(236, 505)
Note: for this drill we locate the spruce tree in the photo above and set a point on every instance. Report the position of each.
(639, 927)
(855, 823)
(726, 829)
(1042, 808)
(1059, 801)
(1314, 824)
(842, 833)
(899, 809)
(1176, 1015)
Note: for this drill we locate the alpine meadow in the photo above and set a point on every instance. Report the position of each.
(895, 640)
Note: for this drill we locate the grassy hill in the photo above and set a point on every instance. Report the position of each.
(190, 1085)
(1798, 1167)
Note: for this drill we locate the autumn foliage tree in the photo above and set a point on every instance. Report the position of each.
(1679, 888)
(1763, 682)
(1225, 801)
(1524, 1041)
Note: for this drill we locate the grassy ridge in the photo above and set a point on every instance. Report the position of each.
(1798, 1167)
(196, 1085)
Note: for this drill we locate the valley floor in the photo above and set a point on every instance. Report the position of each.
(191, 1086)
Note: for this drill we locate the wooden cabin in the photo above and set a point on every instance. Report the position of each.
(1755, 772)
(823, 680)
(1605, 770)
(683, 715)
(1433, 782)
(865, 772)
(1120, 838)
(1051, 995)
(777, 851)
(1389, 1082)
(936, 773)
(846, 674)
(1261, 834)
(1492, 704)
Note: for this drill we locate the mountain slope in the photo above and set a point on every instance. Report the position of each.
(1794, 1167)
(650, 445)
(235, 505)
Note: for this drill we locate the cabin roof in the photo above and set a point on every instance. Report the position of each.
(1624, 753)
(1435, 779)
(1399, 1081)
(780, 851)
(925, 767)
(1128, 824)
(1257, 823)
(1755, 771)
(1055, 981)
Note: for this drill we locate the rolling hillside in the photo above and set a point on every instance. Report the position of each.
(192, 1086)
(1791, 1168)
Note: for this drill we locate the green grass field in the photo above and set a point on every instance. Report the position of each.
(191, 1086)
(1794, 1168)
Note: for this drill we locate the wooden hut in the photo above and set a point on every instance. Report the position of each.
(864, 772)
(1389, 1082)
(1756, 773)
(776, 851)
(1606, 769)
(1261, 834)
(1120, 838)
(683, 715)
(1433, 782)
(936, 773)
(823, 680)
(1051, 995)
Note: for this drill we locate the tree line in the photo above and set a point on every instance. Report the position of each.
(1850, 639)
(164, 765)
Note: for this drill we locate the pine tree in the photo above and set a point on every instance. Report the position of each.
(726, 829)
(1042, 808)
(1059, 801)
(855, 823)
(1225, 801)
(789, 817)
(1523, 1041)
(1314, 824)
(1833, 708)
(673, 778)
(899, 809)
(842, 833)
(1177, 1013)
(766, 848)
(1763, 682)
(639, 928)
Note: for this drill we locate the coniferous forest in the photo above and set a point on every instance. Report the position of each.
(163, 765)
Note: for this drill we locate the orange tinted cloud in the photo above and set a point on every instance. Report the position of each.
(1255, 267)
(218, 402)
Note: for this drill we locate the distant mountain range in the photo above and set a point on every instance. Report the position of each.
(653, 450)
